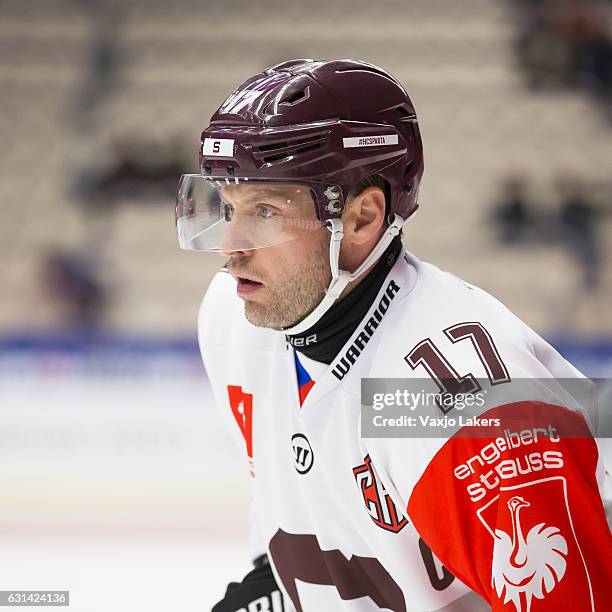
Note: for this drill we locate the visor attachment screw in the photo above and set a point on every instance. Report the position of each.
(332, 192)
(334, 206)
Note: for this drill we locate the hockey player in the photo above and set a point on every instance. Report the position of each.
(308, 172)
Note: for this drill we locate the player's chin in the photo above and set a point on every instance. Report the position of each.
(258, 314)
(264, 315)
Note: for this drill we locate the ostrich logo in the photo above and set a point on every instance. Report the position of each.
(529, 567)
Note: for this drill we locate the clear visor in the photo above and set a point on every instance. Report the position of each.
(242, 214)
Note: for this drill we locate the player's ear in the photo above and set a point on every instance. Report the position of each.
(364, 216)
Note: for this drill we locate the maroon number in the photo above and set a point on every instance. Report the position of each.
(484, 346)
(216, 146)
(447, 379)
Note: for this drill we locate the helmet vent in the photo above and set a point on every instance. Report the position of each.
(291, 99)
(274, 152)
(270, 147)
(300, 151)
(295, 97)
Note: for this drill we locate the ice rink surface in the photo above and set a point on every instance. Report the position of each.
(119, 482)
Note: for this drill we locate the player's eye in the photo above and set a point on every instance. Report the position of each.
(227, 210)
(265, 212)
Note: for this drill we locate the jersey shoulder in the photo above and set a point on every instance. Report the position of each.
(446, 332)
(445, 316)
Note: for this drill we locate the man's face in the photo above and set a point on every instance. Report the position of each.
(283, 283)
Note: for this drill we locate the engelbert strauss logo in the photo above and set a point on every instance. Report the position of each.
(528, 566)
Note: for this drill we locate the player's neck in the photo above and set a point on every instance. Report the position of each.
(324, 340)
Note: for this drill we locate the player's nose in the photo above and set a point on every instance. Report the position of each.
(235, 253)
(236, 239)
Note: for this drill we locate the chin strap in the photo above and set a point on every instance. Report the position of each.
(341, 278)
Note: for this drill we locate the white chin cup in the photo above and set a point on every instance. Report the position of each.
(341, 278)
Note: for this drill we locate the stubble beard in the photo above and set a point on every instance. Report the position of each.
(294, 294)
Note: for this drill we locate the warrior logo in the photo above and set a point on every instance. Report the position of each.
(303, 457)
(527, 566)
(378, 503)
(367, 331)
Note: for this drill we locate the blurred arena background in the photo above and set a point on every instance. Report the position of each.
(118, 481)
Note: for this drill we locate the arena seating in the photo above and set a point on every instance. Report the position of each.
(479, 123)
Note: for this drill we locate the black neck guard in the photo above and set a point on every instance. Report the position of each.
(323, 341)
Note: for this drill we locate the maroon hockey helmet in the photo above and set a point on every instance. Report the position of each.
(301, 131)
(326, 124)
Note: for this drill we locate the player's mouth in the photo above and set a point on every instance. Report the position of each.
(247, 285)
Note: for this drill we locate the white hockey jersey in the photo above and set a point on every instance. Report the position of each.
(406, 523)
